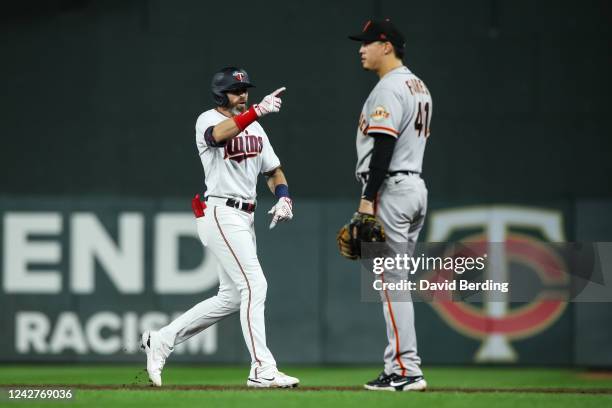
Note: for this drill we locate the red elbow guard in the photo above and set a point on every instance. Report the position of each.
(245, 119)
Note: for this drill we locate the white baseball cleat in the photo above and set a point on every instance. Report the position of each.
(275, 380)
(156, 355)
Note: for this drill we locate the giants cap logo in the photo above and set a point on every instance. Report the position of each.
(496, 323)
(239, 76)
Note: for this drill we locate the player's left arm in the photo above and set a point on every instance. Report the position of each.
(379, 166)
(283, 209)
(384, 128)
(274, 178)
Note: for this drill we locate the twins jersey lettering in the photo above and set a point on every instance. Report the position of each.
(400, 106)
(232, 170)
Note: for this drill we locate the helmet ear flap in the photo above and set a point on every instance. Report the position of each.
(221, 99)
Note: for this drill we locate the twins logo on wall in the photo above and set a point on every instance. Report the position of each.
(496, 323)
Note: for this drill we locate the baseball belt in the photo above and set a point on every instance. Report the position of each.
(233, 202)
(364, 176)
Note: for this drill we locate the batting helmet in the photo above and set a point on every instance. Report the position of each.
(228, 79)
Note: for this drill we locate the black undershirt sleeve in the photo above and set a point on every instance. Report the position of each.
(379, 163)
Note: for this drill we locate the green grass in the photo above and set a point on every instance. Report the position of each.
(496, 379)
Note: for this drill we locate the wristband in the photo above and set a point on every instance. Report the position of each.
(281, 190)
(245, 119)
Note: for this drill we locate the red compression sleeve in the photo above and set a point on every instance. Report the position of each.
(245, 119)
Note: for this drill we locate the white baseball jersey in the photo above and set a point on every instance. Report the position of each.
(232, 170)
(400, 106)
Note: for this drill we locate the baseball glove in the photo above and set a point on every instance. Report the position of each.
(361, 228)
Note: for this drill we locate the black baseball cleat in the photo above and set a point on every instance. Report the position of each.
(394, 382)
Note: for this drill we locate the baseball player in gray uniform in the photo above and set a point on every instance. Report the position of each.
(234, 150)
(393, 129)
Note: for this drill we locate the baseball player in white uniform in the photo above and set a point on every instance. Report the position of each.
(234, 150)
(393, 129)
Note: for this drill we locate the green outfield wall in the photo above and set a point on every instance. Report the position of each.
(81, 278)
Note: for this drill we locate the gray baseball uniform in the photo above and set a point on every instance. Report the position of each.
(400, 105)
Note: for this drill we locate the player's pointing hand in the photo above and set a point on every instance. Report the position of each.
(279, 91)
(270, 103)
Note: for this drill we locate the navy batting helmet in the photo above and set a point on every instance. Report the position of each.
(228, 79)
